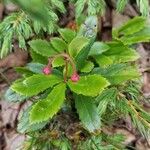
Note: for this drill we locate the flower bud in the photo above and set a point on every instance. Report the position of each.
(75, 77)
(47, 70)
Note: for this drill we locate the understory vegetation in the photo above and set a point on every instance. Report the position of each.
(78, 86)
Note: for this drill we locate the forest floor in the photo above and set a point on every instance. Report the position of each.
(9, 112)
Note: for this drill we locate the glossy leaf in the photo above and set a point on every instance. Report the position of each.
(83, 54)
(132, 26)
(98, 48)
(59, 44)
(35, 84)
(128, 73)
(47, 108)
(24, 71)
(90, 85)
(119, 73)
(88, 66)
(88, 113)
(103, 60)
(141, 36)
(24, 125)
(58, 62)
(36, 57)
(12, 96)
(121, 53)
(42, 47)
(76, 45)
(35, 67)
(67, 34)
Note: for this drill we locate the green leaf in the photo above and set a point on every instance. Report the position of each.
(42, 47)
(121, 53)
(35, 67)
(35, 84)
(132, 26)
(47, 108)
(24, 125)
(118, 73)
(67, 34)
(76, 45)
(58, 62)
(98, 48)
(59, 44)
(12, 96)
(88, 66)
(88, 113)
(24, 71)
(90, 85)
(128, 73)
(83, 54)
(103, 61)
(105, 98)
(38, 58)
(141, 36)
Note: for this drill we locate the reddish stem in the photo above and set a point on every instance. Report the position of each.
(67, 58)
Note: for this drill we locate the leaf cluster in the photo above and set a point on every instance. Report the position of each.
(105, 70)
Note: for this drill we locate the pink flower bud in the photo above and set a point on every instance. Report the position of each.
(47, 70)
(75, 77)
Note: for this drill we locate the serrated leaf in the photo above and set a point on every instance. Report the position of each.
(38, 58)
(98, 48)
(132, 26)
(24, 71)
(121, 53)
(83, 54)
(35, 67)
(59, 44)
(90, 85)
(67, 34)
(12, 96)
(35, 84)
(58, 62)
(88, 113)
(24, 125)
(42, 47)
(118, 73)
(141, 36)
(124, 75)
(88, 66)
(47, 108)
(76, 45)
(103, 61)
